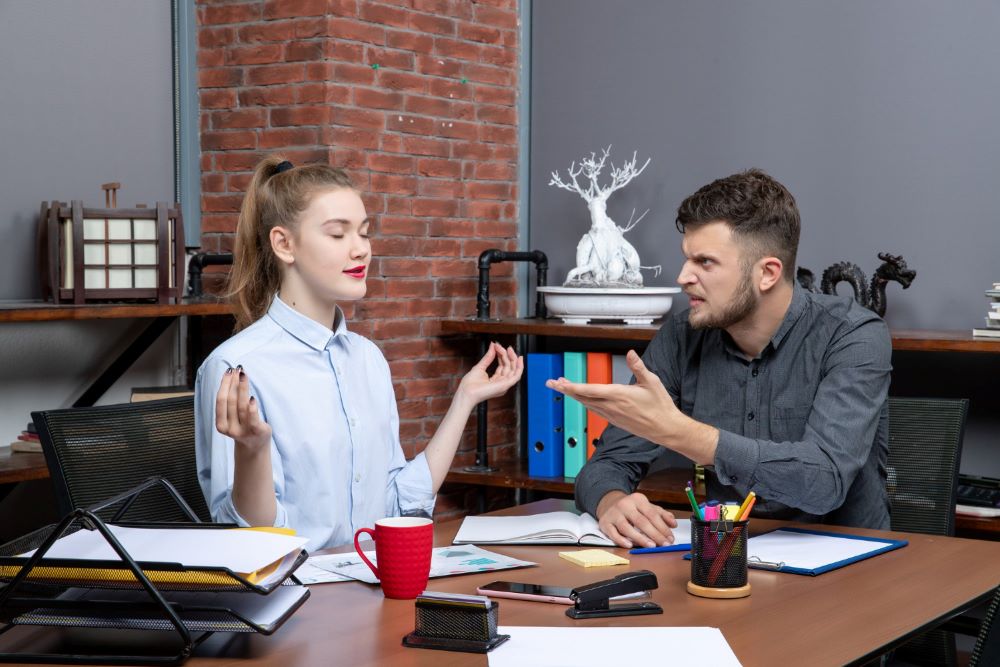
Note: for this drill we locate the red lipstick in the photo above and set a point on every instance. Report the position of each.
(356, 272)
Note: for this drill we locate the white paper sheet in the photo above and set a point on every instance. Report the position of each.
(445, 561)
(806, 550)
(239, 550)
(600, 647)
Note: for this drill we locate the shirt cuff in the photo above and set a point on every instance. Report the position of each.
(414, 486)
(228, 514)
(736, 459)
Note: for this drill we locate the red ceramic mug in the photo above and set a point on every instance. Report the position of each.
(403, 553)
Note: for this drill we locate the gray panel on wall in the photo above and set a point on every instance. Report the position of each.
(87, 99)
(880, 117)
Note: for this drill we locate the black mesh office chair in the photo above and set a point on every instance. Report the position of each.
(925, 446)
(97, 453)
(987, 650)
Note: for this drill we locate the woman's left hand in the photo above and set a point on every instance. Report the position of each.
(478, 385)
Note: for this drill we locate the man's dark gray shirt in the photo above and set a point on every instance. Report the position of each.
(804, 425)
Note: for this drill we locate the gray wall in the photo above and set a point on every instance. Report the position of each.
(87, 99)
(880, 117)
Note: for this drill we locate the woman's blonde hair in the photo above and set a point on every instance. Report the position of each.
(277, 194)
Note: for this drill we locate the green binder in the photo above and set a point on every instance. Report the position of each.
(575, 416)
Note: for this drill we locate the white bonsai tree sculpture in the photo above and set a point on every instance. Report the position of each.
(603, 257)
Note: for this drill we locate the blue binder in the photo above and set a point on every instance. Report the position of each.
(545, 416)
(575, 416)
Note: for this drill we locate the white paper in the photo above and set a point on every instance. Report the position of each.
(600, 647)
(807, 551)
(547, 528)
(311, 573)
(237, 549)
(445, 561)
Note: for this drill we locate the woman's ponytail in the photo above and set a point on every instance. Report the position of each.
(276, 195)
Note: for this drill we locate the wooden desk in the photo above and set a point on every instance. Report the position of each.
(841, 617)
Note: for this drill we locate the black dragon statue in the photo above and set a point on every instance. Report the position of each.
(871, 296)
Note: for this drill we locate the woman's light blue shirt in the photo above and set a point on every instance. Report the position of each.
(335, 453)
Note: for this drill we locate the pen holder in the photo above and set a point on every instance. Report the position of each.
(455, 625)
(719, 559)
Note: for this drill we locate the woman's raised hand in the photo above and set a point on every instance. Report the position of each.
(478, 385)
(236, 411)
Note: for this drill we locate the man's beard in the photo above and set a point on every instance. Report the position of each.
(742, 303)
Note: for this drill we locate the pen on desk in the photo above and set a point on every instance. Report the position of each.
(694, 504)
(746, 505)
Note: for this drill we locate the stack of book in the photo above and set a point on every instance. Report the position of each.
(992, 329)
(27, 441)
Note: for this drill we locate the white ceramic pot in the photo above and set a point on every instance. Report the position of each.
(579, 305)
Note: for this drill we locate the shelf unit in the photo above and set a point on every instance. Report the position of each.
(666, 486)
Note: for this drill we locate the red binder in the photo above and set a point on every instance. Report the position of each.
(598, 372)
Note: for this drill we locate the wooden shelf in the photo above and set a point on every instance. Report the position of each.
(22, 467)
(39, 311)
(917, 340)
(665, 487)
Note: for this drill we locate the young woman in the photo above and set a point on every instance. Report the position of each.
(296, 421)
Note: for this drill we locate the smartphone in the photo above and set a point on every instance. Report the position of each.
(518, 591)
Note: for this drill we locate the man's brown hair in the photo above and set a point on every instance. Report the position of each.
(759, 210)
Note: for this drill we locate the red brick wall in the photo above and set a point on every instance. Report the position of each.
(417, 100)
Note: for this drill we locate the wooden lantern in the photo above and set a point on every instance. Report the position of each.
(111, 254)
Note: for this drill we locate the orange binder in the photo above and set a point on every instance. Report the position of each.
(598, 372)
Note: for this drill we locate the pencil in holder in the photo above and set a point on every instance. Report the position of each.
(719, 559)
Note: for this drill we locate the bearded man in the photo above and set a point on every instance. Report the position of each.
(772, 388)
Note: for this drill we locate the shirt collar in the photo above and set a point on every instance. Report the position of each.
(310, 332)
(795, 310)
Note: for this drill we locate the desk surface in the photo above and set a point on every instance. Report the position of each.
(836, 618)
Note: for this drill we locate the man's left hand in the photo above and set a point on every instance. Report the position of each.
(644, 409)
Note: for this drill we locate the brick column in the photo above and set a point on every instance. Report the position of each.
(416, 99)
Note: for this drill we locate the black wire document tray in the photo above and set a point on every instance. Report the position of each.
(133, 610)
(126, 594)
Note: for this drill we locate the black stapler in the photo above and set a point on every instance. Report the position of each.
(593, 600)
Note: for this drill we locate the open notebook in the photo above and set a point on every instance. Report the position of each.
(548, 528)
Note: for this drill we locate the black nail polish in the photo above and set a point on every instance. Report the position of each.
(229, 371)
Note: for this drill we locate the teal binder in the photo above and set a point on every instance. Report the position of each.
(574, 416)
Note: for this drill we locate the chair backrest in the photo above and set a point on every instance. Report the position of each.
(987, 650)
(96, 453)
(925, 446)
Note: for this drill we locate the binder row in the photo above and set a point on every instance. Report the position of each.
(562, 433)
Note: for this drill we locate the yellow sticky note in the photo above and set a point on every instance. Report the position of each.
(593, 558)
(731, 512)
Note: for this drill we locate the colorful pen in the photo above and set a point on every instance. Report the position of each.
(746, 505)
(746, 513)
(694, 503)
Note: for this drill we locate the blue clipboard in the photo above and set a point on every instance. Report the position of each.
(886, 545)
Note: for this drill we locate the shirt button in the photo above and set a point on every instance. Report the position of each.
(750, 416)
(357, 477)
(353, 422)
(754, 372)
(733, 479)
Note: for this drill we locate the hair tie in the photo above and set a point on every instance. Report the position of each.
(283, 166)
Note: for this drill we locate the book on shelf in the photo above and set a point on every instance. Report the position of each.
(140, 394)
(26, 446)
(986, 333)
(546, 528)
